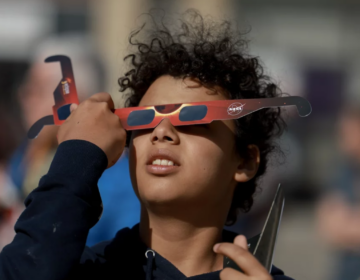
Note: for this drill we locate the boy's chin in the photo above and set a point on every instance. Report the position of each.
(162, 199)
(158, 200)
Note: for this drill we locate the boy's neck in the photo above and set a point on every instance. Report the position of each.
(186, 244)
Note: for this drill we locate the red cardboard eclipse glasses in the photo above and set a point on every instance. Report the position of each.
(135, 118)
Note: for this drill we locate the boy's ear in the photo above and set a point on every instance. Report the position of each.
(248, 168)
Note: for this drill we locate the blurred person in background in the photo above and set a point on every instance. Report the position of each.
(339, 211)
(32, 159)
(10, 200)
(35, 96)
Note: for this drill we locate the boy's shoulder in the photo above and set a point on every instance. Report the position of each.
(107, 259)
(109, 249)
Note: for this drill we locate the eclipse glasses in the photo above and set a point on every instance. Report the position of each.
(136, 118)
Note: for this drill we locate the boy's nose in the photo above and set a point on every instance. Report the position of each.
(165, 132)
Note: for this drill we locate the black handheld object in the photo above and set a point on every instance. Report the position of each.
(262, 245)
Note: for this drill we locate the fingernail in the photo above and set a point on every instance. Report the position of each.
(216, 246)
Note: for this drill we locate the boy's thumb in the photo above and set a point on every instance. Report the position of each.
(241, 241)
(73, 107)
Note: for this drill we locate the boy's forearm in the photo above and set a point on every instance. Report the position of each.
(52, 231)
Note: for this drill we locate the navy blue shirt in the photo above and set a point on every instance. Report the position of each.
(50, 241)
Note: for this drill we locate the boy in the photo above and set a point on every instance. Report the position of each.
(190, 180)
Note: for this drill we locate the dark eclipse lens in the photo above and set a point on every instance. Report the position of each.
(64, 112)
(141, 117)
(193, 113)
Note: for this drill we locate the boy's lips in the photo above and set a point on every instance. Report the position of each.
(162, 169)
(162, 154)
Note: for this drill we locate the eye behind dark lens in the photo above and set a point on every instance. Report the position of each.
(141, 117)
(193, 113)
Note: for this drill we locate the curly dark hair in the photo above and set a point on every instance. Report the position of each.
(215, 55)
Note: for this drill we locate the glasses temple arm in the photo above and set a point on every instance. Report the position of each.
(303, 106)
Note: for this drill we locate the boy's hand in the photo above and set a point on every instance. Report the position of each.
(93, 120)
(239, 253)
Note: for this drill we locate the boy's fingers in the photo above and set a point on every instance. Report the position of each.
(103, 97)
(241, 241)
(243, 258)
(73, 107)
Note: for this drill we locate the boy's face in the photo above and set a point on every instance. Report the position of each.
(207, 167)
